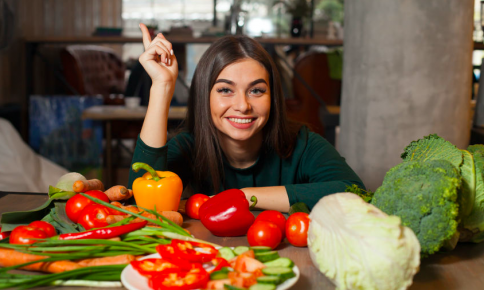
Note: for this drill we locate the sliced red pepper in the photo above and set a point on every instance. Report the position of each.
(185, 251)
(195, 278)
(167, 252)
(102, 233)
(153, 267)
(219, 263)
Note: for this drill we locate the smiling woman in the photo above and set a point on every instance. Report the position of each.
(236, 134)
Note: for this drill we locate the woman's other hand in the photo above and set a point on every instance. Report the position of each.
(158, 59)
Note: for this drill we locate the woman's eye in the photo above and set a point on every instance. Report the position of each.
(224, 91)
(257, 91)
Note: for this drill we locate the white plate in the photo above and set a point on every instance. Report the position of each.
(133, 280)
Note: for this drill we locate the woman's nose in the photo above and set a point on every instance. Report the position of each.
(242, 103)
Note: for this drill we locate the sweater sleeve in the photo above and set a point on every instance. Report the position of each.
(321, 171)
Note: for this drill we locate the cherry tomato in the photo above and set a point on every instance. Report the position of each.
(192, 207)
(45, 226)
(297, 229)
(26, 234)
(3, 235)
(264, 233)
(77, 203)
(275, 217)
(94, 216)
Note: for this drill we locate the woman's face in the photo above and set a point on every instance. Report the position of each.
(240, 100)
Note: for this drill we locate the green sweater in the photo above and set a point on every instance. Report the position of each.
(314, 169)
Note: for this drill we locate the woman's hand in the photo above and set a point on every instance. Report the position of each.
(158, 59)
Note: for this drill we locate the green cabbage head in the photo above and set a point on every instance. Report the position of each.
(357, 246)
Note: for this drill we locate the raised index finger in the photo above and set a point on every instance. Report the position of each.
(146, 35)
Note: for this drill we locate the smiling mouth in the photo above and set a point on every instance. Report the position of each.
(241, 121)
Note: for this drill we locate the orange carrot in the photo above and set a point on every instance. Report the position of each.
(9, 257)
(117, 192)
(86, 185)
(174, 216)
(114, 218)
(114, 260)
(131, 208)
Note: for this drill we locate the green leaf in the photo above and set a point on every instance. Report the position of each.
(59, 215)
(474, 222)
(468, 191)
(57, 193)
(11, 220)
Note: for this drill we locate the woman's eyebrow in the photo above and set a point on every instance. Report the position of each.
(257, 81)
(225, 81)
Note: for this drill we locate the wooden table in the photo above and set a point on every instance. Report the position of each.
(462, 268)
(113, 113)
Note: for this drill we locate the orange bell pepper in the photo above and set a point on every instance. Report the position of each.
(162, 189)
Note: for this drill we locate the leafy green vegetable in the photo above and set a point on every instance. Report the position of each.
(468, 192)
(424, 195)
(474, 222)
(357, 246)
(366, 195)
(57, 193)
(433, 147)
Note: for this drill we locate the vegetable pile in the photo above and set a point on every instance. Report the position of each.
(191, 265)
(438, 191)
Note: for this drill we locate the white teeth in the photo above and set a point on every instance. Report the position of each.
(240, 121)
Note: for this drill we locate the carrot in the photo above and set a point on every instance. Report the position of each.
(118, 192)
(86, 185)
(114, 260)
(114, 218)
(9, 257)
(174, 216)
(131, 208)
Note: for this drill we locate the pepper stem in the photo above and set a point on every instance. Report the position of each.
(254, 200)
(140, 165)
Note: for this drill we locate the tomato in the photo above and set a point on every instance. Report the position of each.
(93, 216)
(297, 229)
(194, 203)
(77, 203)
(264, 233)
(45, 226)
(275, 217)
(26, 234)
(3, 235)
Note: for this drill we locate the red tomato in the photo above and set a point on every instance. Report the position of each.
(94, 216)
(3, 235)
(192, 207)
(25, 234)
(45, 226)
(297, 229)
(77, 203)
(275, 217)
(264, 233)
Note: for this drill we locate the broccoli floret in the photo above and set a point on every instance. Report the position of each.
(424, 195)
(366, 195)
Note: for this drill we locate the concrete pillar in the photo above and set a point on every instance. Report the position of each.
(407, 74)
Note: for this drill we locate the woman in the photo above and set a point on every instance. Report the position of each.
(236, 134)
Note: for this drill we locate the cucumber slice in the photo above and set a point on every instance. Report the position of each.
(226, 253)
(260, 249)
(240, 249)
(282, 273)
(268, 280)
(280, 262)
(267, 256)
(230, 287)
(262, 287)
(219, 275)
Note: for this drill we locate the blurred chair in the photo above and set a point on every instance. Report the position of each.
(97, 70)
(316, 95)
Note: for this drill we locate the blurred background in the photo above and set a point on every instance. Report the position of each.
(368, 76)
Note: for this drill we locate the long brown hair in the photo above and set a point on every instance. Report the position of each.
(279, 132)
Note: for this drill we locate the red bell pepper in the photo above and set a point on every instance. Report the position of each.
(227, 214)
(153, 267)
(184, 250)
(195, 278)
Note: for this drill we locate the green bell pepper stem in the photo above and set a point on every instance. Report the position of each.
(254, 200)
(140, 165)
